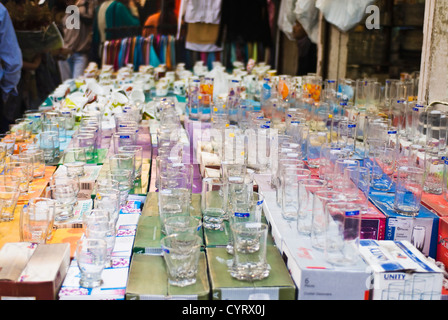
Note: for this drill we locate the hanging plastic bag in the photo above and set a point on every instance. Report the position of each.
(286, 18)
(220, 81)
(308, 15)
(344, 14)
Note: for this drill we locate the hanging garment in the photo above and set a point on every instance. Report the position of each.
(202, 33)
(153, 58)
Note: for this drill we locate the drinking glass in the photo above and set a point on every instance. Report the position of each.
(137, 152)
(49, 143)
(231, 169)
(347, 134)
(9, 141)
(214, 203)
(26, 159)
(122, 161)
(125, 183)
(87, 141)
(181, 254)
(173, 202)
(409, 190)
(282, 163)
(342, 233)
(100, 228)
(121, 139)
(24, 171)
(382, 163)
(74, 159)
(238, 189)
(320, 217)
(316, 139)
(91, 255)
(108, 198)
(358, 186)
(250, 211)
(38, 159)
(53, 126)
(9, 196)
(183, 224)
(290, 191)
(306, 189)
(10, 180)
(70, 118)
(249, 253)
(36, 220)
(65, 194)
(434, 173)
(234, 145)
(60, 121)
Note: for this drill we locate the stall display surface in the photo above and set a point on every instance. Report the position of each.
(139, 271)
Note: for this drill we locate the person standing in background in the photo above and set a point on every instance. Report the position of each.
(307, 51)
(147, 8)
(163, 22)
(114, 19)
(11, 63)
(77, 42)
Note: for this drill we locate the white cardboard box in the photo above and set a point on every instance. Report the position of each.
(315, 278)
(401, 272)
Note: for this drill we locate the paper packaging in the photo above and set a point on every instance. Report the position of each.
(315, 278)
(277, 286)
(114, 277)
(373, 222)
(87, 182)
(442, 242)
(144, 285)
(401, 272)
(33, 271)
(113, 287)
(421, 231)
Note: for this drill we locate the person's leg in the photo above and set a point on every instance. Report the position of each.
(80, 61)
(64, 69)
(4, 123)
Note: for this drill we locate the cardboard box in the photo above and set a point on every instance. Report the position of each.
(114, 277)
(151, 205)
(33, 271)
(316, 279)
(442, 242)
(91, 174)
(113, 287)
(149, 234)
(435, 203)
(277, 286)
(81, 207)
(148, 280)
(372, 226)
(401, 272)
(421, 231)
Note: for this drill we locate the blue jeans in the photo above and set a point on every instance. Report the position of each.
(74, 66)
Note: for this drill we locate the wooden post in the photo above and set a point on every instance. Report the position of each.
(433, 85)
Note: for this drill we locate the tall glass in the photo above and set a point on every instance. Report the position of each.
(91, 257)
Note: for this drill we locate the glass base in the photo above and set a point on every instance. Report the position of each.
(407, 211)
(249, 271)
(64, 216)
(90, 283)
(289, 217)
